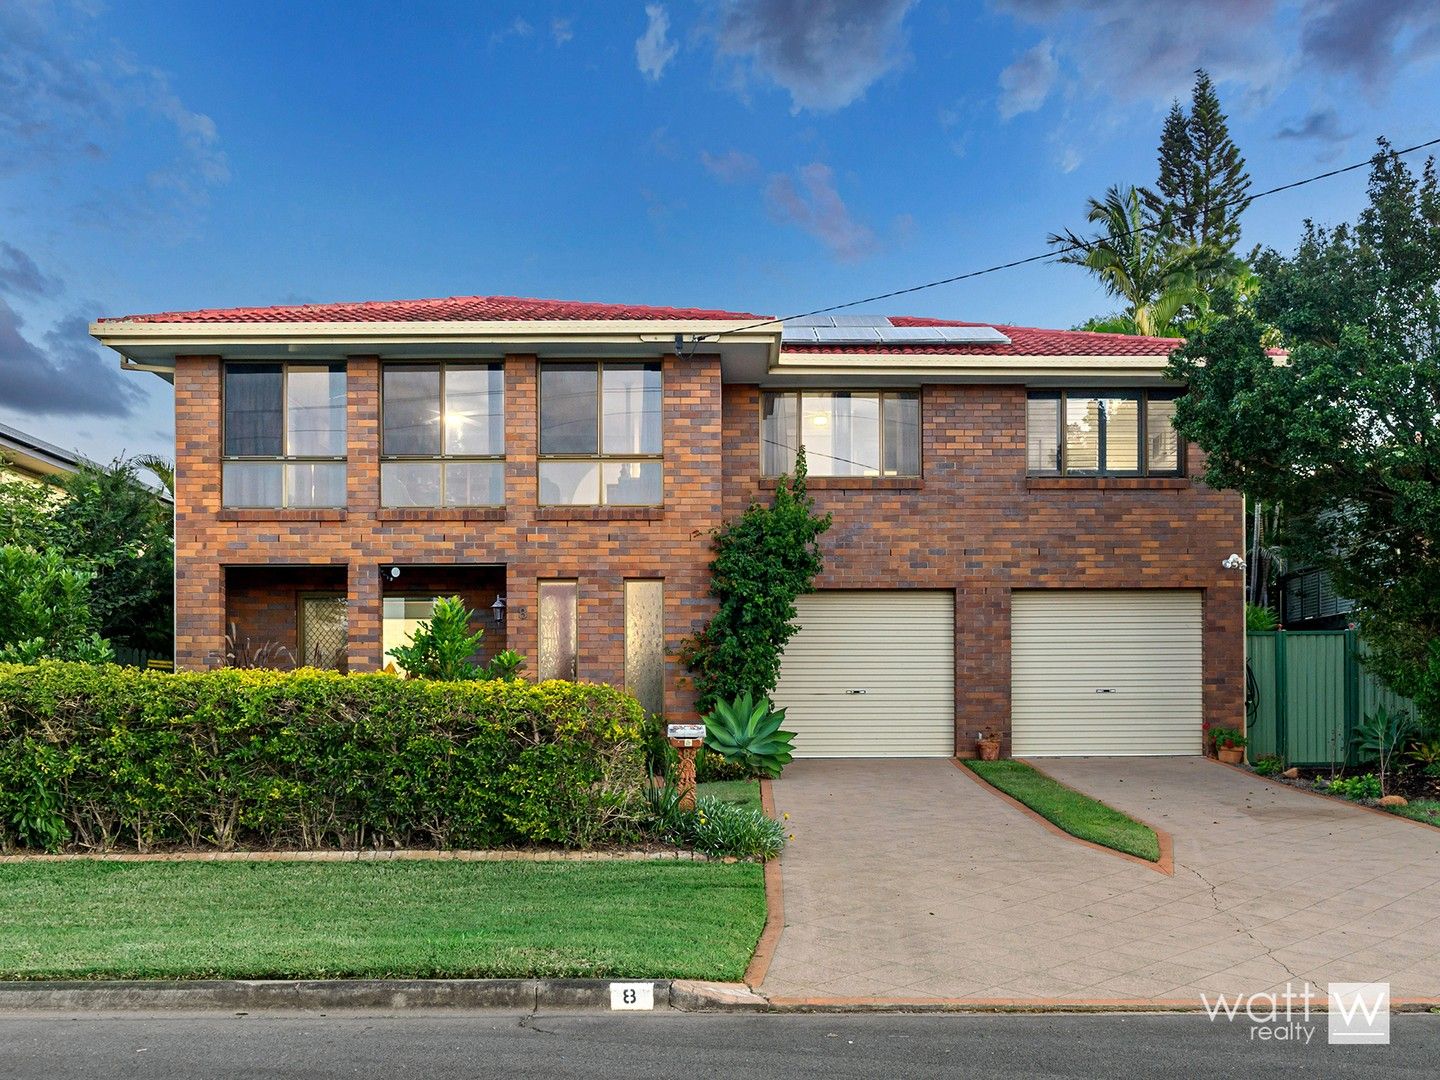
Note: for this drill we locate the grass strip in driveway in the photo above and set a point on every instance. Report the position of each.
(105, 920)
(1067, 809)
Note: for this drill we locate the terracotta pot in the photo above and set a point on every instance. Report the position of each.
(1231, 755)
(989, 749)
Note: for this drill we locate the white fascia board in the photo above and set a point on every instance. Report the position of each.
(966, 364)
(183, 335)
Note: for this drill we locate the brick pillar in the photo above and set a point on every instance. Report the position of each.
(364, 613)
(982, 665)
(199, 577)
(362, 427)
(522, 417)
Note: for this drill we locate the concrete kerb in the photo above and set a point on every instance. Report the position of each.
(519, 995)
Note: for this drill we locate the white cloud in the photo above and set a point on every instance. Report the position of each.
(1026, 83)
(816, 206)
(653, 49)
(825, 53)
(730, 167)
(562, 31)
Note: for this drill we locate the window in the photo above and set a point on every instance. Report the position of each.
(844, 433)
(645, 643)
(443, 438)
(284, 437)
(324, 630)
(558, 610)
(402, 616)
(600, 438)
(1102, 433)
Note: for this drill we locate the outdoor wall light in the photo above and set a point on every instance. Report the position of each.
(1233, 562)
(498, 609)
(394, 572)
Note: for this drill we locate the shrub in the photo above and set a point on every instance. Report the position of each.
(1380, 736)
(95, 757)
(714, 827)
(1356, 787)
(1269, 764)
(1260, 618)
(746, 732)
(45, 608)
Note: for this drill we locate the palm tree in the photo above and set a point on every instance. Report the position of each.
(158, 467)
(1137, 259)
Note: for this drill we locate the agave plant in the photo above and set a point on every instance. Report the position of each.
(746, 730)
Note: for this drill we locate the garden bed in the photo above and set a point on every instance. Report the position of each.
(286, 920)
(1421, 792)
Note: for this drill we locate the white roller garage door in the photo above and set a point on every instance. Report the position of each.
(1105, 672)
(871, 674)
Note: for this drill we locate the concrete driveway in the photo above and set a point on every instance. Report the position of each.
(908, 879)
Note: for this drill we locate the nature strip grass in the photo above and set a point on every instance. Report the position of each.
(98, 920)
(1076, 813)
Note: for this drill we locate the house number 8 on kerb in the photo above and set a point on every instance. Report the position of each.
(632, 995)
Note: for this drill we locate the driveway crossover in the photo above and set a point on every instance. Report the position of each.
(908, 879)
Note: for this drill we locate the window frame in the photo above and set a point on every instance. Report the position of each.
(285, 458)
(442, 459)
(1142, 396)
(600, 458)
(798, 393)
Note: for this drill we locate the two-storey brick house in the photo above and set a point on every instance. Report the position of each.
(1018, 539)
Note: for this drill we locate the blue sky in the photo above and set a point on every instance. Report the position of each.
(764, 155)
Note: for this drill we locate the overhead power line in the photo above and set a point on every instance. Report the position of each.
(1055, 253)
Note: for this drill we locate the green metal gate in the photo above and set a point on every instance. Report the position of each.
(1310, 690)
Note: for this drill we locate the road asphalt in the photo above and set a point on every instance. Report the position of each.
(160, 1046)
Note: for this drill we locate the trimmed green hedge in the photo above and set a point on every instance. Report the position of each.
(97, 757)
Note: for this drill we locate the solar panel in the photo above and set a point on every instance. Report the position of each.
(876, 330)
(847, 335)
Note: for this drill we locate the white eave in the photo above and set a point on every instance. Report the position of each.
(961, 366)
(153, 346)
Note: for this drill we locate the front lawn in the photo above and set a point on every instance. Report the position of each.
(1079, 815)
(1426, 810)
(96, 920)
(739, 792)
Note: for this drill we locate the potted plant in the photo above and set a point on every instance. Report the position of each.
(988, 745)
(1229, 745)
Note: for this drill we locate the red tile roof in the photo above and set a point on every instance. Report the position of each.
(446, 309)
(1024, 341)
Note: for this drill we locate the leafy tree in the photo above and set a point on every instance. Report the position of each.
(44, 609)
(117, 524)
(763, 561)
(1343, 432)
(1136, 259)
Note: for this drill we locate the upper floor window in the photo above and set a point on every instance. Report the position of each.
(1103, 433)
(844, 433)
(284, 435)
(443, 435)
(600, 437)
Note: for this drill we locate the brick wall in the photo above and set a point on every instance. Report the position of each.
(598, 547)
(977, 525)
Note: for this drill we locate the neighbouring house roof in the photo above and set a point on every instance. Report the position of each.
(441, 309)
(34, 457)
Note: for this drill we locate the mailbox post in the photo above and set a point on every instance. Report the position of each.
(686, 739)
